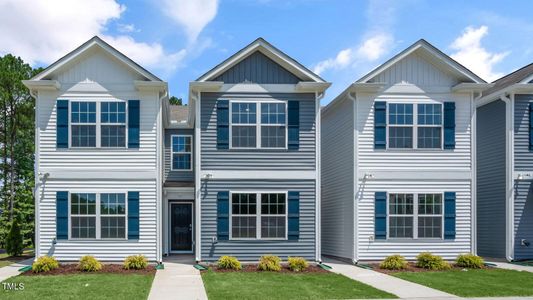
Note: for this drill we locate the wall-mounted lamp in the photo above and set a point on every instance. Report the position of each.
(208, 176)
(368, 176)
(520, 177)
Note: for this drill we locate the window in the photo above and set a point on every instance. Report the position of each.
(415, 219)
(83, 124)
(404, 129)
(98, 216)
(181, 152)
(113, 120)
(429, 125)
(400, 125)
(258, 215)
(270, 117)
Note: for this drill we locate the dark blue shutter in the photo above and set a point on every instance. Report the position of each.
(293, 217)
(62, 215)
(530, 126)
(133, 215)
(223, 124)
(449, 125)
(223, 216)
(62, 124)
(380, 215)
(293, 125)
(380, 125)
(449, 215)
(133, 123)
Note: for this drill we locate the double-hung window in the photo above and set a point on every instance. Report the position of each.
(258, 216)
(83, 124)
(429, 126)
(113, 216)
(113, 124)
(83, 215)
(244, 125)
(415, 215)
(414, 126)
(181, 152)
(400, 125)
(273, 125)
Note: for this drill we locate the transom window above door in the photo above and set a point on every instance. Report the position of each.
(413, 126)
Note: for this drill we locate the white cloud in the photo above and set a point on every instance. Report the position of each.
(127, 28)
(43, 31)
(470, 53)
(194, 15)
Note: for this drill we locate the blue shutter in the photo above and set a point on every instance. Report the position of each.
(380, 215)
(223, 124)
(449, 125)
(449, 215)
(380, 125)
(62, 124)
(223, 216)
(530, 126)
(62, 215)
(133, 215)
(293, 217)
(133, 123)
(293, 108)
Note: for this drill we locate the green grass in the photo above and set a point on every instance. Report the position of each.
(82, 286)
(6, 260)
(475, 283)
(267, 285)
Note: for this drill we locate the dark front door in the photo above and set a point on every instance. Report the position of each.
(180, 227)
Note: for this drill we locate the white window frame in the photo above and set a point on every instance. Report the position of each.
(98, 124)
(172, 152)
(414, 127)
(258, 215)
(258, 125)
(415, 216)
(98, 215)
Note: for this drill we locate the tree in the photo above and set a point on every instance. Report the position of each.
(175, 100)
(14, 241)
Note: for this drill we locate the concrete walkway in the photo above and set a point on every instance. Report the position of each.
(13, 269)
(399, 287)
(179, 280)
(508, 266)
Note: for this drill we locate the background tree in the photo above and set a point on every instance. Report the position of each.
(173, 100)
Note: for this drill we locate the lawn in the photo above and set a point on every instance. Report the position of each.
(267, 285)
(84, 286)
(475, 283)
(6, 260)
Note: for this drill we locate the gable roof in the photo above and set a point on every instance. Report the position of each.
(517, 76)
(425, 47)
(271, 52)
(95, 42)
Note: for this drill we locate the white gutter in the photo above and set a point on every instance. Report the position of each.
(318, 202)
(509, 190)
(159, 176)
(355, 243)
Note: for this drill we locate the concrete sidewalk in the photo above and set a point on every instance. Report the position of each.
(508, 266)
(179, 280)
(13, 269)
(399, 287)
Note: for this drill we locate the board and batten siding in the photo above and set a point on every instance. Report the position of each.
(252, 250)
(337, 173)
(258, 159)
(491, 180)
(173, 175)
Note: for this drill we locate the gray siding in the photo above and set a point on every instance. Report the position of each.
(257, 68)
(258, 159)
(523, 156)
(252, 250)
(491, 179)
(337, 173)
(176, 175)
(523, 217)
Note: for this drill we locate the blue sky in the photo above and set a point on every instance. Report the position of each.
(179, 40)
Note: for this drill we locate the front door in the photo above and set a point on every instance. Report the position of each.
(181, 227)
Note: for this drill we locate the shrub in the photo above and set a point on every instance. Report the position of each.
(269, 263)
(470, 261)
(89, 263)
(136, 262)
(229, 262)
(44, 264)
(393, 262)
(429, 261)
(297, 264)
(14, 245)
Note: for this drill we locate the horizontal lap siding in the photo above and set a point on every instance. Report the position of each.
(176, 175)
(523, 156)
(523, 218)
(258, 159)
(378, 249)
(70, 250)
(337, 175)
(252, 250)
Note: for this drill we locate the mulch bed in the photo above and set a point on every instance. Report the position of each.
(252, 268)
(411, 267)
(66, 269)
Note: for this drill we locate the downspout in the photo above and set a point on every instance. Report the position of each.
(197, 180)
(509, 191)
(37, 179)
(318, 204)
(473, 142)
(160, 136)
(355, 255)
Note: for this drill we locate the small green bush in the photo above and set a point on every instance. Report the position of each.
(135, 262)
(393, 262)
(229, 262)
(269, 263)
(429, 261)
(89, 263)
(470, 261)
(44, 264)
(14, 240)
(297, 264)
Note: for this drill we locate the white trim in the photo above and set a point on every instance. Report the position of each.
(50, 85)
(257, 174)
(98, 174)
(318, 180)
(509, 191)
(422, 175)
(37, 178)
(515, 88)
(356, 185)
(172, 152)
(473, 185)
(198, 178)
(169, 231)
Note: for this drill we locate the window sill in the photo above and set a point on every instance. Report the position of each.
(412, 240)
(80, 149)
(258, 240)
